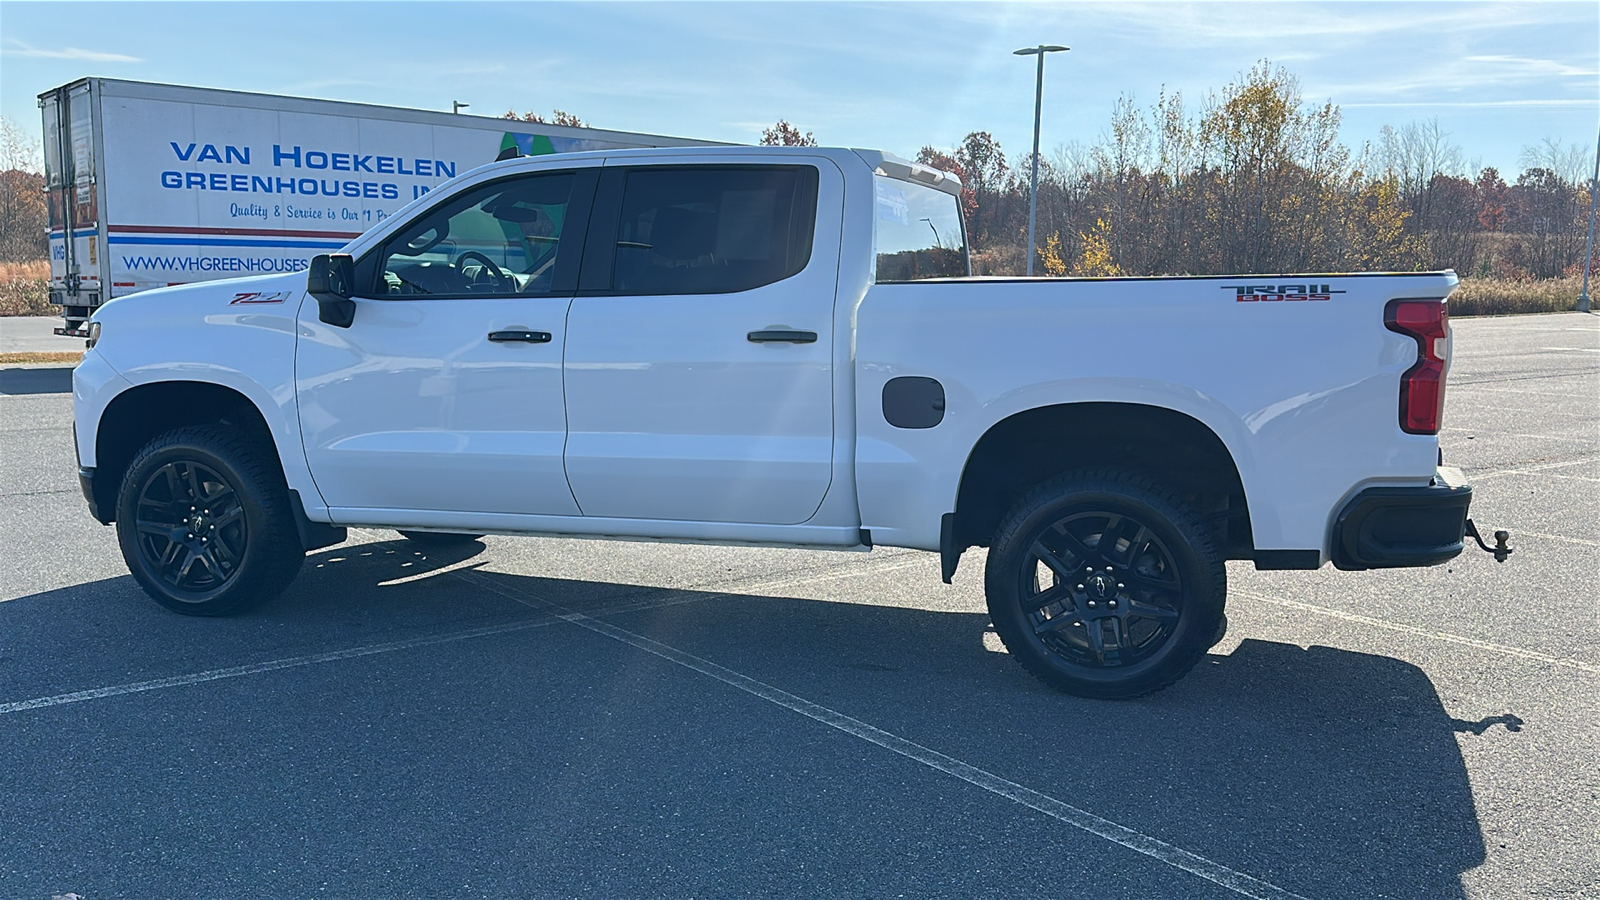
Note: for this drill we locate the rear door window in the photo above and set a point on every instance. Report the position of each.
(712, 229)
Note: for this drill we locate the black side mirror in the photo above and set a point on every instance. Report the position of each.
(331, 279)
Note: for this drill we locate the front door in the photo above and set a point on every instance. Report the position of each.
(445, 392)
(699, 363)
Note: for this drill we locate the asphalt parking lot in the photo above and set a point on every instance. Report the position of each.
(548, 718)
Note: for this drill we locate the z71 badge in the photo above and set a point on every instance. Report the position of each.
(1270, 293)
(274, 297)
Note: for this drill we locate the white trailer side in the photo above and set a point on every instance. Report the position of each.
(160, 184)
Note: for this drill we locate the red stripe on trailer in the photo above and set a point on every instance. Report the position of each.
(122, 284)
(257, 232)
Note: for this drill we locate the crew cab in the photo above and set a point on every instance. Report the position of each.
(776, 346)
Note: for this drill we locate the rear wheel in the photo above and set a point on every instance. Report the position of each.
(204, 522)
(439, 538)
(1103, 584)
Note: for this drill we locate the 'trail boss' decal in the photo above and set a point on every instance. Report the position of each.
(1271, 293)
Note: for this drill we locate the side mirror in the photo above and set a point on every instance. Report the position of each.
(331, 279)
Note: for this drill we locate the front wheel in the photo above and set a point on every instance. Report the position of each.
(204, 522)
(1103, 584)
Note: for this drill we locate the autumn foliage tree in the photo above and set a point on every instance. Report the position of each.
(23, 216)
(1255, 179)
(785, 135)
(557, 117)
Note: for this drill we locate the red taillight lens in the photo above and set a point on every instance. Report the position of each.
(1422, 385)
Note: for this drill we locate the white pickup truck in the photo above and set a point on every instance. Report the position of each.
(781, 347)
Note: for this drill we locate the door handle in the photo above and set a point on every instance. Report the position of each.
(783, 337)
(525, 337)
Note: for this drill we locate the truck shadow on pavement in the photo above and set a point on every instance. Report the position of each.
(1327, 772)
(43, 380)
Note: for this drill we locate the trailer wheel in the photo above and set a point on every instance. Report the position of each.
(439, 538)
(1103, 584)
(204, 522)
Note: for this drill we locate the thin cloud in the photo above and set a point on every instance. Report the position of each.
(1469, 103)
(1234, 23)
(1453, 76)
(18, 48)
(1534, 68)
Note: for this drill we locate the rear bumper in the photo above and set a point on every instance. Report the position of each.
(1389, 527)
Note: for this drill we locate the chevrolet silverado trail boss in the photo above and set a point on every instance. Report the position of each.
(776, 346)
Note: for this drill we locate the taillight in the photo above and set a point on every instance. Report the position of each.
(1422, 385)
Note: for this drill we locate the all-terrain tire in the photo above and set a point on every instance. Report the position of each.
(204, 522)
(1104, 584)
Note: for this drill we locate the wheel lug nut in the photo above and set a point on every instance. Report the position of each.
(1091, 604)
(1112, 604)
(1120, 585)
(189, 536)
(1080, 587)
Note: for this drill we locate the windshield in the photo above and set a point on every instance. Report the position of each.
(919, 233)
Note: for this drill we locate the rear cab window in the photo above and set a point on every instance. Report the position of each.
(918, 232)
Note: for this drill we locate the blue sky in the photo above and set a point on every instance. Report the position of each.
(895, 76)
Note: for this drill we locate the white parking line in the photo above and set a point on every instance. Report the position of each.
(1541, 474)
(1424, 632)
(1557, 391)
(293, 662)
(1555, 537)
(1524, 470)
(678, 598)
(1114, 832)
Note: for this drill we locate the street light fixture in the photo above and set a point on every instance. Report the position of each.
(457, 106)
(1038, 107)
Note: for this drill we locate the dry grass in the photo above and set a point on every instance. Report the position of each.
(1505, 296)
(68, 356)
(24, 289)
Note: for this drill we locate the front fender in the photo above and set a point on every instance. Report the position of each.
(204, 333)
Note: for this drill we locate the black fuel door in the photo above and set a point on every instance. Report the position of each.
(913, 402)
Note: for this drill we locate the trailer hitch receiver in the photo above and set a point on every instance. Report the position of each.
(1501, 549)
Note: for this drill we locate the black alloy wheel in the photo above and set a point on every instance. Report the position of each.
(192, 532)
(204, 523)
(1102, 584)
(1104, 591)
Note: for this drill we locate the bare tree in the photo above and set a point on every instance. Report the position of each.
(1568, 163)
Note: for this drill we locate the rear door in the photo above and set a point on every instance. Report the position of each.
(72, 194)
(699, 348)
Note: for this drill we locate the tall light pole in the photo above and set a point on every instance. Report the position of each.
(1588, 247)
(1038, 107)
